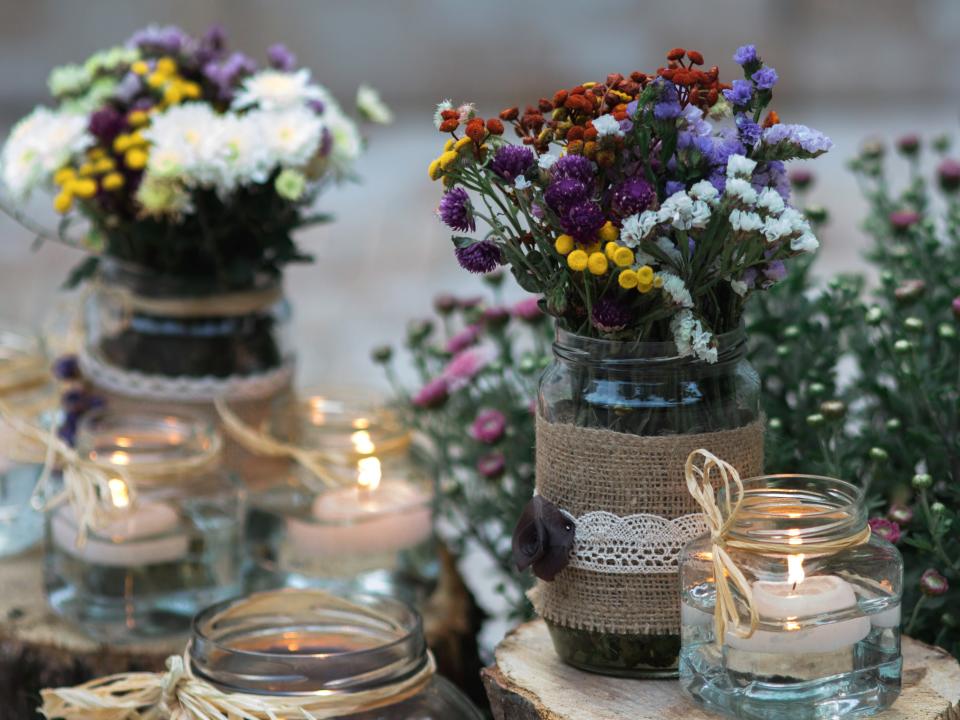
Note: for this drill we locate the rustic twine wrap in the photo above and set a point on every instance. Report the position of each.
(585, 470)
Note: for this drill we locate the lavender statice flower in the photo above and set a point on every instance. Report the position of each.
(582, 221)
(772, 174)
(164, 40)
(280, 57)
(211, 45)
(667, 106)
(740, 94)
(512, 161)
(748, 130)
(808, 139)
(673, 187)
(225, 74)
(576, 167)
(457, 211)
(631, 196)
(723, 146)
(609, 315)
(745, 55)
(480, 257)
(563, 193)
(765, 78)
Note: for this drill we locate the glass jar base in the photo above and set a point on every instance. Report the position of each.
(629, 656)
(21, 527)
(854, 694)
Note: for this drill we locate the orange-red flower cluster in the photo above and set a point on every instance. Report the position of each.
(696, 87)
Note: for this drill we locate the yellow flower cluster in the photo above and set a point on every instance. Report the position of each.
(97, 171)
(598, 262)
(453, 150)
(172, 87)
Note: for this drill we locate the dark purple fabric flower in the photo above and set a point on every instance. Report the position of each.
(511, 161)
(745, 55)
(948, 173)
(166, 40)
(901, 220)
(492, 465)
(528, 310)
(582, 221)
(933, 583)
(543, 539)
(576, 167)
(463, 339)
(749, 131)
(456, 210)
(281, 58)
(609, 315)
(765, 78)
(740, 94)
(489, 426)
(564, 192)
(106, 124)
(632, 196)
(886, 529)
(66, 367)
(432, 395)
(479, 257)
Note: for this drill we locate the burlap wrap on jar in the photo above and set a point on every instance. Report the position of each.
(586, 470)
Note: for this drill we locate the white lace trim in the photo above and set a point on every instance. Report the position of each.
(611, 544)
(184, 389)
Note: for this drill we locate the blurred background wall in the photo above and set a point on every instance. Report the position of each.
(851, 68)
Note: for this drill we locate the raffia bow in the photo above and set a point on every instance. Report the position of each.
(720, 520)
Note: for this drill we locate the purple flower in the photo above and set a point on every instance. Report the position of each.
(463, 339)
(673, 187)
(813, 141)
(908, 144)
(528, 310)
(280, 57)
(511, 161)
(765, 78)
(576, 167)
(480, 257)
(317, 106)
(632, 196)
(775, 271)
(489, 426)
(457, 211)
(496, 317)
(609, 315)
(933, 583)
(900, 514)
(801, 178)
(543, 539)
(723, 146)
(106, 124)
(211, 45)
(772, 174)
(748, 130)
(582, 221)
(955, 306)
(445, 303)
(155, 39)
(66, 367)
(718, 179)
(948, 173)
(564, 192)
(666, 110)
(492, 465)
(740, 94)
(466, 365)
(901, 220)
(226, 74)
(745, 55)
(432, 395)
(886, 529)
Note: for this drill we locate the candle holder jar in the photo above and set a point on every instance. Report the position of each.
(827, 640)
(367, 525)
(173, 532)
(308, 643)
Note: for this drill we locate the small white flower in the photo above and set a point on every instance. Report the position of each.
(607, 125)
(184, 144)
(739, 287)
(347, 143)
(38, 146)
(771, 201)
(678, 210)
(546, 161)
(704, 190)
(636, 227)
(700, 214)
(521, 183)
(276, 90)
(796, 219)
(234, 154)
(775, 228)
(442, 106)
(742, 190)
(806, 243)
(739, 166)
(372, 107)
(691, 338)
(467, 112)
(677, 290)
(745, 221)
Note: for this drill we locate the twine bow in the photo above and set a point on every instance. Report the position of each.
(720, 521)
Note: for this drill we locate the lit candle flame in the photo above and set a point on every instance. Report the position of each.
(794, 539)
(119, 494)
(120, 458)
(317, 407)
(795, 574)
(791, 626)
(362, 443)
(368, 473)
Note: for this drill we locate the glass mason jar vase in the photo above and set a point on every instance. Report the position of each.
(616, 421)
(308, 643)
(184, 328)
(827, 643)
(369, 527)
(172, 542)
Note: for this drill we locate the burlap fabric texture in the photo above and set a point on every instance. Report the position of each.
(584, 470)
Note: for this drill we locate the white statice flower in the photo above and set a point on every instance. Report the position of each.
(675, 288)
(739, 287)
(546, 161)
(741, 190)
(669, 248)
(292, 137)
(691, 338)
(521, 183)
(372, 107)
(180, 143)
(277, 90)
(771, 201)
(346, 141)
(806, 243)
(636, 227)
(442, 107)
(677, 210)
(607, 125)
(739, 166)
(704, 190)
(700, 215)
(796, 219)
(745, 221)
(775, 228)
(38, 146)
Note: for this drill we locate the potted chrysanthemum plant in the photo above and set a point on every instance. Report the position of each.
(191, 167)
(644, 211)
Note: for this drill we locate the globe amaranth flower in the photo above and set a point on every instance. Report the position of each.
(933, 583)
(582, 221)
(512, 161)
(901, 220)
(886, 529)
(948, 174)
(432, 395)
(479, 257)
(740, 94)
(576, 167)
(456, 210)
(632, 196)
(609, 315)
(492, 465)
(280, 57)
(106, 123)
(543, 539)
(565, 192)
(765, 78)
(489, 426)
(745, 55)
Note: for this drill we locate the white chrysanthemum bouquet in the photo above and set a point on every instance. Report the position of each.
(186, 159)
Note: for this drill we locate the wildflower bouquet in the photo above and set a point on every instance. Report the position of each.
(626, 207)
(185, 158)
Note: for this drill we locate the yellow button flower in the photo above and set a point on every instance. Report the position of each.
(64, 175)
(83, 188)
(448, 145)
(592, 248)
(644, 289)
(137, 118)
(103, 165)
(627, 279)
(609, 232)
(139, 67)
(563, 244)
(658, 282)
(121, 143)
(135, 159)
(577, 260)
(86, 169)
(447, 159)
(166, 65)
(96, 153)
(191, 90)
(609, 249)
(112, 181)
(63, 201)
(645, 275)
(172, 94)
(433, 170)
(462, 143)
(598, 263)
(623, 257)
(156, 79)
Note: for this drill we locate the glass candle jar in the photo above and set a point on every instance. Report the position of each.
(827, 641)
(301, 643)
(171, 544)
(370, 527)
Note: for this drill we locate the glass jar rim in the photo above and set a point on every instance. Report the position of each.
(161, 284)
(218, 628)
(582, 348)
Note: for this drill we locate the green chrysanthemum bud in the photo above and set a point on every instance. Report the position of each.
(902, 346)
(874, 315)
(878, 454)
(815, 420)
(922, 481)
(913, 324)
